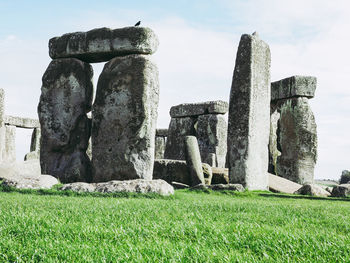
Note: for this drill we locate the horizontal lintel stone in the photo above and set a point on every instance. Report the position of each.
(196, 109)
(20, 122)
(162, 132)
(103, 44)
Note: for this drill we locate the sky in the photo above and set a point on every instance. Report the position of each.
(196, 55)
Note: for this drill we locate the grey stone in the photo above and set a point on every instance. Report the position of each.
(313, 190)
(79, 187)
(2, 107)
(175, 144)
(207, 172)
(329, 189)
(193, 160)
(9, 144)
(249, 115)
(34, 145)
(178, 185)
(66, 97)
(103, 44)
(230, 187)
(159, 147)
(220, 176)
(281, 185)
(342, 190)
(25, 175)
(345, 177)
(212, 138)
(196, 109)
(171, 171)
(295, 86)
(136, 186)
(273, 138)
(162, 132)
(26, 123)
(298, 141)
(124, 119)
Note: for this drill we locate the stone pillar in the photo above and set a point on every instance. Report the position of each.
(9, 150)
(293, 136)
(124, 119)
(66, 97)
(161, 138)
(193, 160)
(34, 145)
(249, 114)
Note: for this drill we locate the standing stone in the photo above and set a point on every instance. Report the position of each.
(212, 138)
(34, 145)
(124, 119)
(159, 147)
(298, 141)
(193, 160)
(249, 115)
(66, 97)
(179, 128)
(9, 150)
(273, 140)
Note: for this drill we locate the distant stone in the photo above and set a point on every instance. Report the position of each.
(230, 187)
(295, 86)
(20, 122)
(178, 185)
(2, 107)
(312, 190)
(207, 172)
(179, 128)
(159, 150)
(212, 138)
(79, 187)
(193, 160)
(103, 44)
(66, 97)
(171, 171)
(34, 145)
(220, 176)
(161, 132)
(329, 189)
(136, 186)
(297, 139)
(342, 190)
(196, 109)
(282, 185)
(274, 150)
(124, 119)
(249, 115)
(9, 144)
(345, 177)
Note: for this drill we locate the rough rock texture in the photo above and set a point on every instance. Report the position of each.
(220, 176)
(136, 186)
(162, 132)
(25, 175)
(179, 128)
(274, 150)
(193, 160)
(66, 97)
(196, 109)
(208, 173)
(9, 144)
(103, 44)
(295, 86)
(34, 145)
(282, 185)
(249, 115)
(212, 138)
(313, 190)
(20, 122)
(124, 119)
(345, 177)
(298, 141)
(159, 147)
(219, 187)
(79, 187)
(171, 171)
(2, 107)
(342, 190)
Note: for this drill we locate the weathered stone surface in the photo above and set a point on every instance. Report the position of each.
(2, 107)
(159, 147)
(171, 171)
(207, 172)
(124, 119)
(103, 44)
(25, 175)
(345, 177)
(196, 109)
(220, 176)
(282, 185)
(162, 132)
(136, 186)
(20, 122)
(193, 160)
(313, 190)
(179, 128)
(342, 190)
(66, 97)
(79, 187)
(9, 144)
(295, 86)
(219, 187)
(34, 145)
(178, 185)
(249, 115)
(273, 139)
(298, 141)
(212, 138)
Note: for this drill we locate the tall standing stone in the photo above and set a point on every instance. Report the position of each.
(34, 145)
(249, 114)
(124, 119)
(193, 160)
(9, 150)
(160, 142)
(66, 97)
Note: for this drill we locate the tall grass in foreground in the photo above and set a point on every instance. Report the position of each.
(190, 227)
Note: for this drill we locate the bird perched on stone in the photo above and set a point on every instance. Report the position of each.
(138, 23)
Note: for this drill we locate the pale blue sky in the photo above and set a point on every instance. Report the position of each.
(198, 44)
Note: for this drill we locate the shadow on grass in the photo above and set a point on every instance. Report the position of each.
(288, 196)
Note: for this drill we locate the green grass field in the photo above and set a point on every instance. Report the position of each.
(189, 227)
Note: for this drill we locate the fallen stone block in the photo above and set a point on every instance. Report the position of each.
(171, 171)
(312, 190)
(196, 109)
(103, 44)
(220, 175)
(79, 187)
(219, 187)
(342, 190)
(282, 185)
